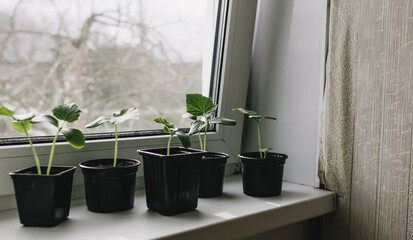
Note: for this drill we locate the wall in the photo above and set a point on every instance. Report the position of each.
(286, 82)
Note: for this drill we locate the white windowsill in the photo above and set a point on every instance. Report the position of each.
(230, 216)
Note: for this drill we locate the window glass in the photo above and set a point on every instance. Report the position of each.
(104, 55)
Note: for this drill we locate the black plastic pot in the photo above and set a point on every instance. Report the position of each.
(172, 182)
(108, 188)
(262, 177)
(43, 200)
(212, 174)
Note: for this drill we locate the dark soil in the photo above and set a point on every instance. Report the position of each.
(210, 157)
(108, 165)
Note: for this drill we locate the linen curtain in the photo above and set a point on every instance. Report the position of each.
(366, 131)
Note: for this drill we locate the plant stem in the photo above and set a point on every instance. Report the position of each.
(259, 137)
(36, 157)
(116, 145)
(169, 145)
(49, 165)
(200, 140)
(206, 130)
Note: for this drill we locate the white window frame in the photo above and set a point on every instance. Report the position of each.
(233, 92)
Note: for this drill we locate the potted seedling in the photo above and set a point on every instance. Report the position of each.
(110, 182)
(172, 174)
(202, 111)
(43, 193)
(262, 171)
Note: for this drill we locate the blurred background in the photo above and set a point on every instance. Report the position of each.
(104, 56)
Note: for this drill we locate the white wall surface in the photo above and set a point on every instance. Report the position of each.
(286, 82)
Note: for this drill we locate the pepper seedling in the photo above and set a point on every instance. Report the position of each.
(115, 119)
(251, 114)
(170, 129)
(202, 111)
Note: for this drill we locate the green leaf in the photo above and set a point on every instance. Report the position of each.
(252, 114)
(212, 111)
(164, 122)
(99, 121)
(67, 112)
(75, 137)
(159, 120)
(116, 118)
(245, 111)
(22, 125)
(190, 116)
(263, 149)
(168, 130)
(223, 121)
(46, 118)
(26, 116)
(256, 117)
(6, 112)
(123, 111)
(198, 105)
(125, 114)
(272, 118)
(196, 126)
(185, 139)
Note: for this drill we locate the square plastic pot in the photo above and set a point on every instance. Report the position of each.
(262, 177)
(212, 174)
(43, 200)
(172, 182)
(107, 188)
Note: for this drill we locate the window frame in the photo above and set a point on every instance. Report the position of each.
(232, 92)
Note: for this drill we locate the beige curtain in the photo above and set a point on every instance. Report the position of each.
(366, 133)
(337, 132)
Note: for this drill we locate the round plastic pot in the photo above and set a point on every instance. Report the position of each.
(43, 200)
(212, 174)
(172, 182)
(262, 177)
(109, 189)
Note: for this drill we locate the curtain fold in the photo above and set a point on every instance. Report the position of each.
(337, 131)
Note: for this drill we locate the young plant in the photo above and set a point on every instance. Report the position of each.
(251, 114)
(202, 110)
(115, 119)
(170, 129)
(66, 113)
(22, 124)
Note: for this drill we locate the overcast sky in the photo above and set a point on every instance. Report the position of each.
(180, 21)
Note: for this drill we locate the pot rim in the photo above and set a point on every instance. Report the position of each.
(84, 166)
(186, 152)
(271, 159)
(221, 154)
(20, 172)
(217, 158)
(273, 154)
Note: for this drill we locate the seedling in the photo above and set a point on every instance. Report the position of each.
(22, 124)
(170, 129)
(65, 113)
(202, 110)
(115, 119)
(251, 114)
